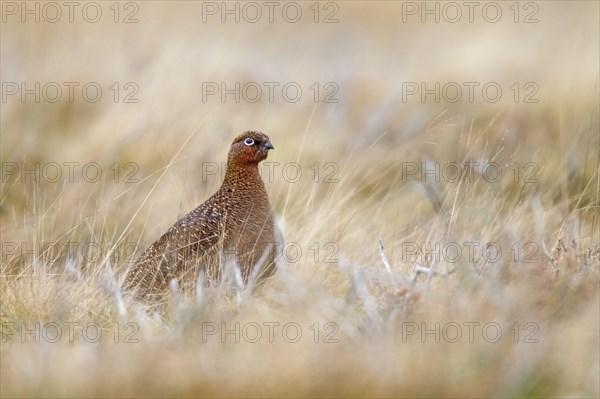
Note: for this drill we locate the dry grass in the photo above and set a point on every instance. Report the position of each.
(362, 275)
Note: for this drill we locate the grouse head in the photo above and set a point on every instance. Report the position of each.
(249, 148)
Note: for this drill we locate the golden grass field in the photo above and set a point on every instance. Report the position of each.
(491, 287)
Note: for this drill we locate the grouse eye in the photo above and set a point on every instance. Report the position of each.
(249, 141)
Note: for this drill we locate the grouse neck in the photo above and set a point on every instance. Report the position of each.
(246, 175)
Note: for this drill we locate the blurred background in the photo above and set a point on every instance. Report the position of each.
(116, 118)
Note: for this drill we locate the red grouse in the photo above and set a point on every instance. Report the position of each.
(234, 225)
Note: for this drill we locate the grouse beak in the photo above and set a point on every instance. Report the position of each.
(269, 146)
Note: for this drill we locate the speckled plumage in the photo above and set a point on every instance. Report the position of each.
(234, 224)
